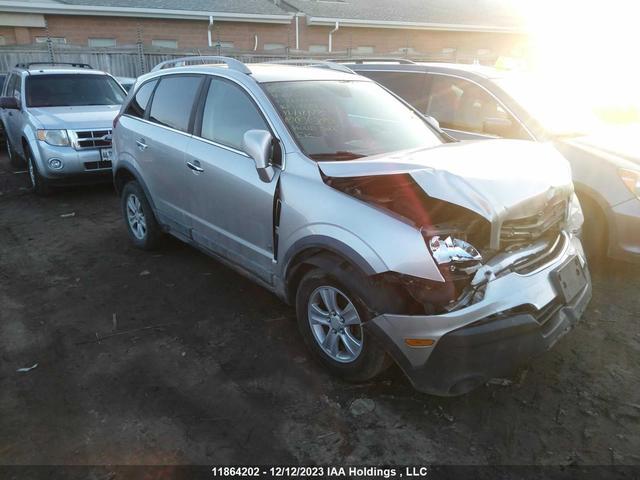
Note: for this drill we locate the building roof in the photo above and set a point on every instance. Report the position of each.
(263, 11)
(450, 15)
(263, 7)
(465, 15)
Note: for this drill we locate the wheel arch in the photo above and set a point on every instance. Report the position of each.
(126, 172)
(326, 253)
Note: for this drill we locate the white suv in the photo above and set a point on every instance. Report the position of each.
(57, 118)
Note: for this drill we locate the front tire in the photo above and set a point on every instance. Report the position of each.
(594, 230)
(39, 184)
(144, 231)
(14, 160)
(331, 317)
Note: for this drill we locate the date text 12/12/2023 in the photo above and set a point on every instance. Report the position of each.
(321, 471)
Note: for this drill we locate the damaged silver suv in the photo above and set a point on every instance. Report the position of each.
(457, 260)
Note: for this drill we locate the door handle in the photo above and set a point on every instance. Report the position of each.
(141, 145)
(194, 167)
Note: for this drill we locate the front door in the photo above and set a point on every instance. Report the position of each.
(231, 208)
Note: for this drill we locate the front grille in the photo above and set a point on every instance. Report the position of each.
(555, 247)
(97, 165)
(92, 139)
(530, 228)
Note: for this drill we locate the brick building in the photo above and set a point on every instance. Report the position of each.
(434, 28)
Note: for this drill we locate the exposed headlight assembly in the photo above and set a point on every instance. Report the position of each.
(57, 138)
(575, 217)
(631, 178)
(455, 254)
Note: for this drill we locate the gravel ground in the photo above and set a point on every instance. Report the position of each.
(172, 358)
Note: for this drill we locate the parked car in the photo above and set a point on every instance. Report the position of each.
(126, 82)
(58, 119)
(3, 77)
(473, 101)
(459, 260)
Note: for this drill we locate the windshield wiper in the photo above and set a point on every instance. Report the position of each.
(340, 155)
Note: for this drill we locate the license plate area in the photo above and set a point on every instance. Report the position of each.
(570, 279)
(106, 154)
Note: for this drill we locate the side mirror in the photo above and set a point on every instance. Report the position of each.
(433, 121)
(500, 127)
(258, 145)
(10, 103)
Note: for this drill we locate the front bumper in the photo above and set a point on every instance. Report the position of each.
(626, 231)
(520, 316)
(78, 166)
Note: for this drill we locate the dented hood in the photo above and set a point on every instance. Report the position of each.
(497, 179)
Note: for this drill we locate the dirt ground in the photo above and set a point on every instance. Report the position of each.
(172, 358)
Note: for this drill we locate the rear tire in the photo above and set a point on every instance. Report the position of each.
(594, 230)
(144, 231)
(356, 356)
(39, 184)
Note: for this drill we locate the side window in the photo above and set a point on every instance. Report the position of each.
(411, 86)
(10, 87)
(461, 105)
(173, 101)
(228, 114)
(17, 89)
(138, 104)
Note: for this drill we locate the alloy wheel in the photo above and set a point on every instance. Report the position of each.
(135, 217)
(32, 172)
(335, 323)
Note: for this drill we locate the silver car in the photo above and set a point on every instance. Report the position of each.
(456, 260)
(478, 102)
(57, 119)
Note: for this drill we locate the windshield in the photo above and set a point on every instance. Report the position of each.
(344, 120)
(72, 90)
(553, 104)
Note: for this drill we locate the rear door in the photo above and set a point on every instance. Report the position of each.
(162, 143)
(232, 209)
(13, 118)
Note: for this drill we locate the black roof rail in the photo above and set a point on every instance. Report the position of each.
(361, 60)
(54, 64)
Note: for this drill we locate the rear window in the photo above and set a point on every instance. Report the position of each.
(173, 101)
(72, 90)
(138, 105)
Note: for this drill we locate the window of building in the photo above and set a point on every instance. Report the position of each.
(363, 50)
(228, 114)
(318, 49)
(3, 41)
(269, 47)
(225, 45)
(173, 101)
(484, 51)
(163, 43)
(138, 104)
(58, 40)
(102, 42)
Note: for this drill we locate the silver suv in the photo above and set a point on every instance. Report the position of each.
(457, 260)
(57, 119)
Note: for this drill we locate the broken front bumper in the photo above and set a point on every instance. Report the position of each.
(520, 316)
